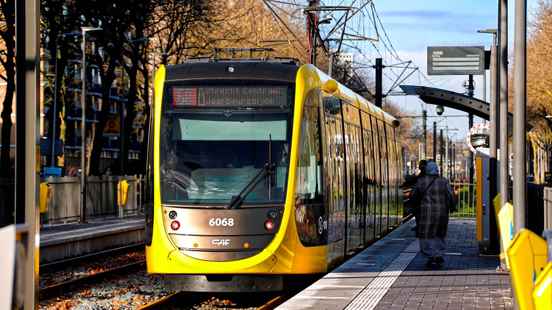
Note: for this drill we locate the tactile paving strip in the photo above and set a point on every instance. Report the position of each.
(369, 297)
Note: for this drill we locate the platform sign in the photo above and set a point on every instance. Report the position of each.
(455, 60)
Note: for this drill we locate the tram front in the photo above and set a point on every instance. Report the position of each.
(223, 165)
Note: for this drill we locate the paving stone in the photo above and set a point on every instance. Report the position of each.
(466, 280)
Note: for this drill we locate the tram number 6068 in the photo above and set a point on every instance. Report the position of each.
(221, 221)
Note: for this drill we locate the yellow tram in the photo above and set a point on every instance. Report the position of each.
(263, 169)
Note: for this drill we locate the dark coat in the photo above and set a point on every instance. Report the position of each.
(435, 199)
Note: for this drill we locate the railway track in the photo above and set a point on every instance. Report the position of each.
(59, 277)
(72, 260)
(62, 287)
(187, 300)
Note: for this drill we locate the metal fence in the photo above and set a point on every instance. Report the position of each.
(465, 192)
(63, 202)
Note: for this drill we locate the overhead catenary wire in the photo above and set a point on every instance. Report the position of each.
(284, 24)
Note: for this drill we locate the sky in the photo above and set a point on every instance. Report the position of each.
(414, 25)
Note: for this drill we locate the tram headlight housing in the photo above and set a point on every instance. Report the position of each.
(172, 215)
(269, 225)
(175, 225)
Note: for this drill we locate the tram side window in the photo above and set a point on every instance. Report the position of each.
(309, 164)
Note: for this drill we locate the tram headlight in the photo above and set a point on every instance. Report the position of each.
(269, 224)
(272, 214)
(172, 215)
(175, 225)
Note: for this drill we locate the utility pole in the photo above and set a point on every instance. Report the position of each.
(520, 96)
(27, 96)
(453, 160)
(470, 124)
(447, 154)
(434, 140)
(379, 81)
(312, 29)
(494, 120)
(441, 150)
(502, 86)
(424, 125)
(494, 105)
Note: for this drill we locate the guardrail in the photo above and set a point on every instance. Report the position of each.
(62, 203)
(465, 193)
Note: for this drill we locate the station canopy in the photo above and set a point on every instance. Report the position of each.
(453, 100)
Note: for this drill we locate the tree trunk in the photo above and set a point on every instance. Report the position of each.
(97, 145)
(8, 10)
(5, 161)
(130, 115)
(147, 115)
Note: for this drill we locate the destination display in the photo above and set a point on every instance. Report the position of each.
(455, 60)
(249, 96)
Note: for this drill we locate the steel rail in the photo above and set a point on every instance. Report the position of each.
(61, 287)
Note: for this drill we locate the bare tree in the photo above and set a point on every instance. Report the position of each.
(7, 74)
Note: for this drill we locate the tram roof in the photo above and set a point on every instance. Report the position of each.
(282, 70)
(359, 101)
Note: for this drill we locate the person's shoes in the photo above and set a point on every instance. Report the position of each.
(431, 263)
(435, 262)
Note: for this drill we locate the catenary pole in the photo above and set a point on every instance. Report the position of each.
(379, 82)
(520, 75)
(27, 75)
(424, 124)
(434, 140)
(503, 97)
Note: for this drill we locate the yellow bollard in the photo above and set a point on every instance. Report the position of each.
(122, 193)
(542, 294)
(505, 222)
(527, 255)
(45, 192)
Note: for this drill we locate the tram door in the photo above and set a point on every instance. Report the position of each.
(354, 176)
(369, 181)
(334, 172)
(384, 177)
(378, 178)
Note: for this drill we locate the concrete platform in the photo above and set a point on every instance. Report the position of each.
(391, 274)
(72, 240)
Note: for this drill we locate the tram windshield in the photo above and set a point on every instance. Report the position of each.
(208, 156)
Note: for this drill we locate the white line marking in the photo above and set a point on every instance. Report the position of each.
(366, 264)
(325, 286)
(319, 297)
(374, 292)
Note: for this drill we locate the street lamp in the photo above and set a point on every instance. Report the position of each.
(84, 30)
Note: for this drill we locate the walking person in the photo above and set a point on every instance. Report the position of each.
(409, 184)
(434, 198)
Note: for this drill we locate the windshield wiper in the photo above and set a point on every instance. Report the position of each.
(268, 169)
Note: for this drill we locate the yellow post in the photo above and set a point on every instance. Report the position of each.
(45, 193)
(122, 193)
(527, 255)
(479, 197)
(542, 294)
(505, 223)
